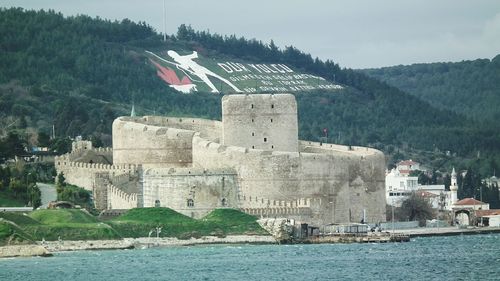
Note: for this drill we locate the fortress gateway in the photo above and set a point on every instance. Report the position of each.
(252, 161)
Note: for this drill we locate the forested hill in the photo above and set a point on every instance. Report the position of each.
(79, 73)
(468, 87)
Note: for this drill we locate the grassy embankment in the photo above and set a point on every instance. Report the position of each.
(11, 231)
(79, 225)
(220, 222)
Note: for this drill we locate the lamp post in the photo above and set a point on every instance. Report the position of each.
(481, 199)
(392, 207)
(333, 215)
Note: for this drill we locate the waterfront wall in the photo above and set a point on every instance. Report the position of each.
(190, 191)
(339, 182)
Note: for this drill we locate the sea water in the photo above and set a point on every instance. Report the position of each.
(474, 257)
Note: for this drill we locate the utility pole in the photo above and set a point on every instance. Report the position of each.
(392, 206)
(481, 199)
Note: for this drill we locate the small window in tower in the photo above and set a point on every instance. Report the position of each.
(272, 146)
(253, 134)
(271, 120)
(252, 120)
(272, 105)
(190, 203)
(265, 139)
(252, 105)
(253, 147)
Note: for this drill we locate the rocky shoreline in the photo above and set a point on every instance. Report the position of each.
(24, 251)
(45, 248)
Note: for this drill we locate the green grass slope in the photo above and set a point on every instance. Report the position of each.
(78, 225)
(139, 222)
(70, 224)
(153, 215)
(19, 219)
(12, 234)
(62, 216)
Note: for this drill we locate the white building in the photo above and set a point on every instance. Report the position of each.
(492, 181)
(399, 186)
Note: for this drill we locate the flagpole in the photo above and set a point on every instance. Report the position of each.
(164, 21)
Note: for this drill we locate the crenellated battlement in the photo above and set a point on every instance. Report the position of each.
(119, 199)
(98, 167)
(261, 202)
(319, 147)
(186, 171)
(279, 211)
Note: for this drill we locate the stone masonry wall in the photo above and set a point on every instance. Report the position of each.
(84, 174)
(118, 199)
(135, 143)
(208, 129)
(176, 187)
(338, 181)
(260, 121)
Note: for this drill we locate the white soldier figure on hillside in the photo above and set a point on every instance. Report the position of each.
(188, 64)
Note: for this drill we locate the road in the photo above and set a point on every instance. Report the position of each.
(48, 193)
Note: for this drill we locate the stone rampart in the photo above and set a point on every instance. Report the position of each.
(208, 129)
(190, 191)
(77, 154)
(261, 202)
(330, 148)
(342, 183)
(286, 212)
(118, 199)
(136, 143)
(84, 174)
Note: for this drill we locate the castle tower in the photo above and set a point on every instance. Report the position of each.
(453, 187)
(263, 121)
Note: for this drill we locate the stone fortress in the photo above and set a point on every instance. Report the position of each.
(252, 161)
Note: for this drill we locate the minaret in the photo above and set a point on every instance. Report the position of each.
(453, 187)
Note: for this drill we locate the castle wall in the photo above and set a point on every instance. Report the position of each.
(97, 155)
(336, 181)
(84, 174)
(263, 121)
(118, 199)
(135, 143)
(175, 187)
(208, 129)
(102, 155)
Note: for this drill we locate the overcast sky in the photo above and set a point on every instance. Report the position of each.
(356, 34)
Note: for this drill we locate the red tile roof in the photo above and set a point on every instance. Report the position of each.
(424, 193)
(469, 201)
(482, 213)
(407, 162)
